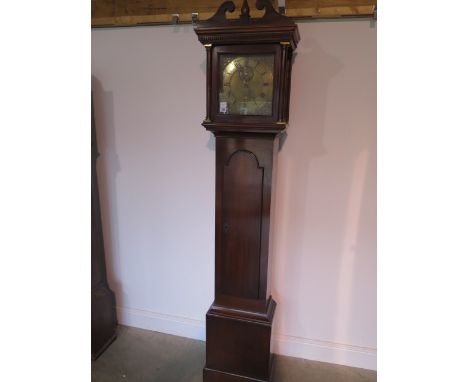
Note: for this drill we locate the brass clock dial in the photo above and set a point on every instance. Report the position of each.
(246, 84)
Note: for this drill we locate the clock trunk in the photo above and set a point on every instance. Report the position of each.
(248, 81)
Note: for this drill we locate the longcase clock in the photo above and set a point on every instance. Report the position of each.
(103, 314)
(247, 106)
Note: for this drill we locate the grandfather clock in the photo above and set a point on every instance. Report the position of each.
(103, 313)
(247, 106)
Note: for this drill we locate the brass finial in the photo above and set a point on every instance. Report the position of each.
(245, 10)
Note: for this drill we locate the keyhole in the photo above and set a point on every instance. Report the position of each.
(225, 227)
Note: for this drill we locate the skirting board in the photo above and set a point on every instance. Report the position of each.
(316, 350)
(164, 323)
(323, 351)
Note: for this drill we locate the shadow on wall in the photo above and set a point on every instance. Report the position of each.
(107, 175)
(322, 178)
(307, 118)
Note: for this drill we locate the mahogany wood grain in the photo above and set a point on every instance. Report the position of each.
(239, 322)
(241, 218)
(244, 166)
(103, 314)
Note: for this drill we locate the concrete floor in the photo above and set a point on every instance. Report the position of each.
(139, 355)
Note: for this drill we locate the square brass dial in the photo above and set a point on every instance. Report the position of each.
(246, 84)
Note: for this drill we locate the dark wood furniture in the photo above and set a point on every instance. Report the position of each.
(103, 314)
(247, 107)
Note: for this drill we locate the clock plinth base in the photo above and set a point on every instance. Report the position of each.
(219, 376)
(238, 341)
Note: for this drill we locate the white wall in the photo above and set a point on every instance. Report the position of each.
(157, 179)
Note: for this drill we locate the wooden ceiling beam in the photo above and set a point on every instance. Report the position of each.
(115, 13)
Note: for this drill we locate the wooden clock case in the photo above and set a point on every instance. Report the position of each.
(103, 313)
(239, 322)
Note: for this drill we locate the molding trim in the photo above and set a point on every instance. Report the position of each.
(316, 350)
(325, 351)
(164, 323)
